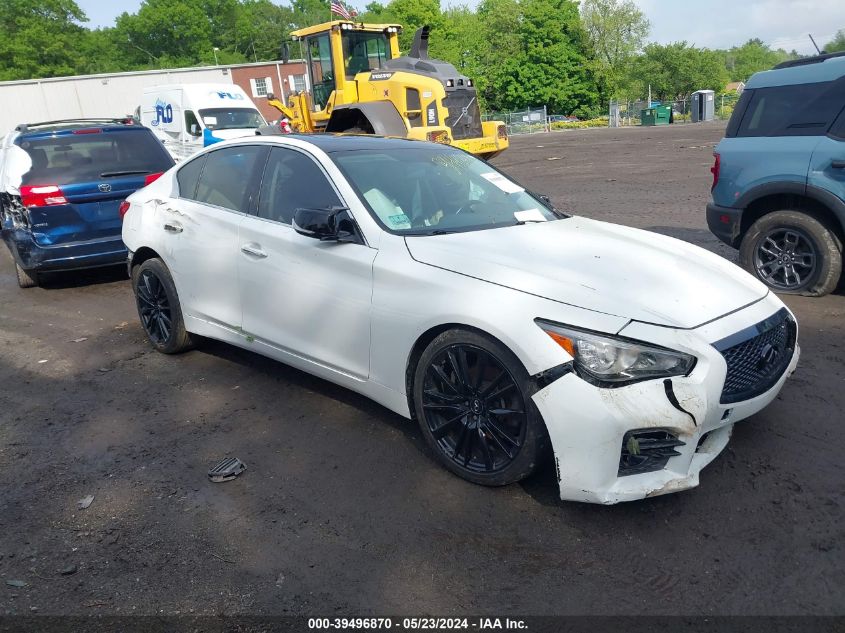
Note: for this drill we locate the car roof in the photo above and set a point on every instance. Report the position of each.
(330, 143)
(68, 126)
(808, 71)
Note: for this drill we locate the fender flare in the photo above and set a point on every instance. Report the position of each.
(824, 197)
(382, 115)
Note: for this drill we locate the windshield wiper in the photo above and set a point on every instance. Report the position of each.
(128, 172)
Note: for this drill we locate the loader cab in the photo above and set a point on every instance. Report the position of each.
(336, 52)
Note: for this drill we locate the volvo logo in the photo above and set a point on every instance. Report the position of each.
(768, 356)
(105, 187)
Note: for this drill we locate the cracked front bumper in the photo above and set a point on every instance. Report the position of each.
(587, 424)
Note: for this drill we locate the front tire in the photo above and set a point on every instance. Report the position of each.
(471, 399)
(793, 253)
(159, 308)
(26, 279)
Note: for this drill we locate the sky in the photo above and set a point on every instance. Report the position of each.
(704, 23)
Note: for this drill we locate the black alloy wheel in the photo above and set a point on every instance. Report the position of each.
(159, 308)
(471, 403)
(154, 308)
(793, 252)
(785, 258)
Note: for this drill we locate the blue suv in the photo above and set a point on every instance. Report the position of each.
(779, 176)
(62, 184)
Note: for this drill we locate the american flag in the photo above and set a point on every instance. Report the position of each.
(339, 8)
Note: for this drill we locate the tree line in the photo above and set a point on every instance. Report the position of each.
(572, 57)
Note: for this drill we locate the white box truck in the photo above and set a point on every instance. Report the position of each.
(188, 117)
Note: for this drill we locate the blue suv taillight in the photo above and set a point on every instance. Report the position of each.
(42, 195)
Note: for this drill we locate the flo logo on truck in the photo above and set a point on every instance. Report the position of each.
(227, 95)
(164, 113)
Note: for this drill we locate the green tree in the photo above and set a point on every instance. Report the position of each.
(837, 43)
(310, 12)
(166, 33)
(40, 38)
(676, 70)
(616, 30)
(411, 14)
(538, 56)
(261, 28)
(753, 56)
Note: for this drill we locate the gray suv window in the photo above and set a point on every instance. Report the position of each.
(800, 110)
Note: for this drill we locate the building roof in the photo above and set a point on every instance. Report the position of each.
(153, 71)
(735, 86)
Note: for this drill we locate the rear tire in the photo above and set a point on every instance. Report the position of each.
(472, 399)
(26, 279)
(792, 253)
(159, 308)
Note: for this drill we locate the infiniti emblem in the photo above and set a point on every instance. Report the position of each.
(105, 187)
(768, 355)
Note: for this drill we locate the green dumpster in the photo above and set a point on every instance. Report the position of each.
(656, 115)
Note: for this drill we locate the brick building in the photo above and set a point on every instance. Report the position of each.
(260, 79)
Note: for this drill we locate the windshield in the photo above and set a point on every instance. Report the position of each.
(363, 52)
(231, 119)
(437, 189)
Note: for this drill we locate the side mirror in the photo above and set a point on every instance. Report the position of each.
(195, 129)
(331, 224)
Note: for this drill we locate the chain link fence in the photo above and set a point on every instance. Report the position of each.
(620, 114)
(624, 113)
(523, 122)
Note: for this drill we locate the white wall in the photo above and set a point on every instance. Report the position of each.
(113, 95)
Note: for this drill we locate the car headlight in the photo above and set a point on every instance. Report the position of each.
(610, 361)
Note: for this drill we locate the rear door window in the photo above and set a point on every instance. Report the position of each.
(188, 176)
(87, 157)
(800, 110)
(229, 175)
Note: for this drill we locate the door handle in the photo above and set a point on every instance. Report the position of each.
(173, 227)
(838, 164)
(254, 250)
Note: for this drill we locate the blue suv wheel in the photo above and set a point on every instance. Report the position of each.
(792, 252)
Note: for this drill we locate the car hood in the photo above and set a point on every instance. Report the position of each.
(599, 266)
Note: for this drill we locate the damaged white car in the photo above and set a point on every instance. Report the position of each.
(425, 279)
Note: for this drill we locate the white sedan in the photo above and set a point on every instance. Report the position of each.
(427, 280)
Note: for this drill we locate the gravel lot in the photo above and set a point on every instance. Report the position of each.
(341, 510)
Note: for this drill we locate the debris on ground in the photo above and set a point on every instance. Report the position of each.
(85, 502)
(69, 570)
(19, 584)
(80, 339)
(226, 470)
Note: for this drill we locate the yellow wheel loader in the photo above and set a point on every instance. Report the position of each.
(358, 83)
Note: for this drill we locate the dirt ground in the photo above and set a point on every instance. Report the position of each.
(342, 511)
